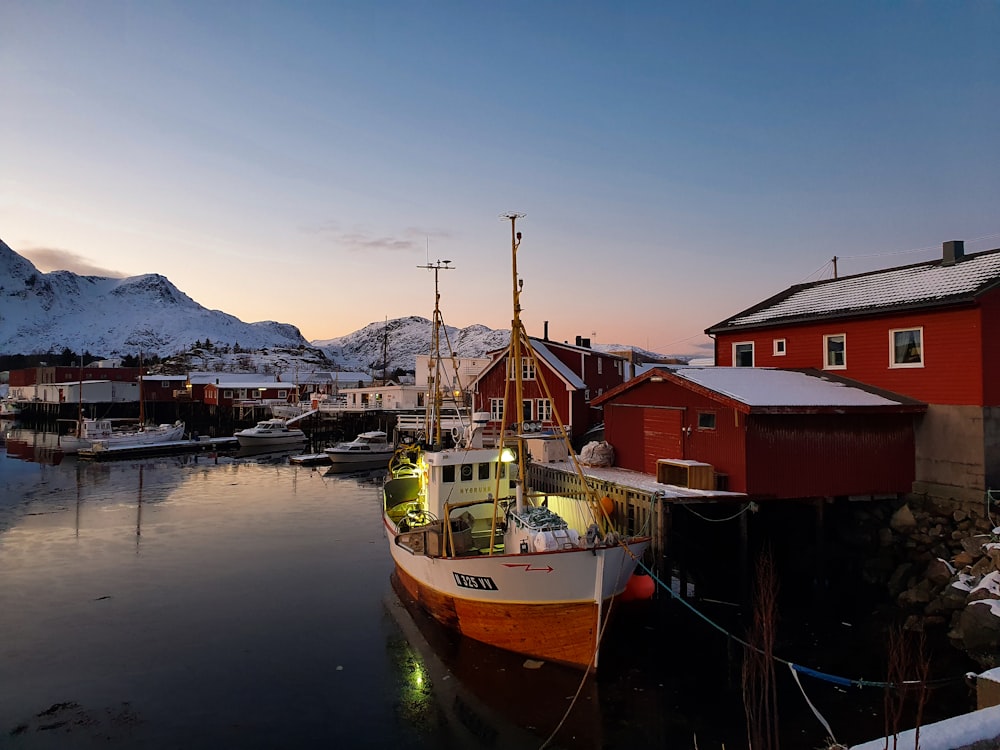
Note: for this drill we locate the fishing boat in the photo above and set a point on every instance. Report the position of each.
(92, 433)
(366, 450)
(270, 432)
(482, 552)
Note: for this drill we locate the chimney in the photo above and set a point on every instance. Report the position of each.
(581, 341)
(545, 329)
(954, 251)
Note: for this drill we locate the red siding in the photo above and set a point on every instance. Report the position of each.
(990, 347)
(953, 342)
(827, 455)
(722, 447)
(662, 436)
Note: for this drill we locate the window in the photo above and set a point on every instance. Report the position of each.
(779, 347)
(282, 394)
(527, 369)
(484, 470)
(706, 420)
(448, 473)
(466, 472)
(906, 347)
(600, 366)
(496, 409)
(164, 384)
(543, 408)
(835, 348)
(526, 405)
(743, 354)
(227, 394)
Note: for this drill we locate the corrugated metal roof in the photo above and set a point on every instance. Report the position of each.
(908, 286)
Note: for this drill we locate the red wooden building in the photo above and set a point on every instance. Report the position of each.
(765, 432)
(574, 374)
(928, 330)
(243, 392)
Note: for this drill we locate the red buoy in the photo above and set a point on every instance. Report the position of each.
(638, 588)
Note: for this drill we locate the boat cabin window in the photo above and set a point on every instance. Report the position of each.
(448, 473)
(484, 470)
(466, 472)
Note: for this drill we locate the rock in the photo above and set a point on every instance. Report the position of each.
(903, 520)
(939, 572)
(959, 515)
(974, 544)
(962, 559)
(979, 628)
(919, 594)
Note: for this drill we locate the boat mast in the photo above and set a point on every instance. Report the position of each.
(79, 405)
(514, 354)
(432, 409)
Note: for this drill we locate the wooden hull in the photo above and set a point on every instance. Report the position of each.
(545, 605)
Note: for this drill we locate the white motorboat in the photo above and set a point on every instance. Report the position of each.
(367, 449)
(270, 432)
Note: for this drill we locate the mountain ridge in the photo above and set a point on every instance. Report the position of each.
(50, 312)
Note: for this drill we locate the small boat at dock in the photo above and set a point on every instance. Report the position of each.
(368, 449)
(270, 432)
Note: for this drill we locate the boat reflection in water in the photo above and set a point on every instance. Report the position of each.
(483, 696)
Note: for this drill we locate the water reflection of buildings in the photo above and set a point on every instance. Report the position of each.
(482, 696)
(36, 447)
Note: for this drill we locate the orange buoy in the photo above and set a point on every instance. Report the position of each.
(608, 505)
(638, 588)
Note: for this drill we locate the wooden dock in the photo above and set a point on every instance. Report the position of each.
(173, 448)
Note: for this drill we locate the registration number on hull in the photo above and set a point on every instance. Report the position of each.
(483, 583)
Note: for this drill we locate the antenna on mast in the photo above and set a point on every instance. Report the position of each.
(432, 414)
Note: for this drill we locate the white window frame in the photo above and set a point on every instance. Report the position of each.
(600, 366)
(780, 347)
(527, 369)
(827, 339)
(753, 353)
(714, 421)
(893, 364)
(496, 409)
(543, 408)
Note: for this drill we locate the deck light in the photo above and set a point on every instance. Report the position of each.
(507, 455)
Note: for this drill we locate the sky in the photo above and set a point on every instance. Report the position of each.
(675, 162)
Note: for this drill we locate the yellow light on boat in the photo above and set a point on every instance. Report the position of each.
(507, 456)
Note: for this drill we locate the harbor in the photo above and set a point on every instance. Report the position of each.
(195, 591)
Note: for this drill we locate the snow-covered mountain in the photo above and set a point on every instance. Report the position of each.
(47, 312)
(50, 312)
(403, 339)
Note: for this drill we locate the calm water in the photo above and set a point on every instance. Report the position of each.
(244, 602)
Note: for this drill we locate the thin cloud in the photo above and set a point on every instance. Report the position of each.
(408, 240)
(48, 259)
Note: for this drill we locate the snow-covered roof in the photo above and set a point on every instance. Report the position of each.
(558, 365)
(920, 285)
(203, 378)
(762, 386)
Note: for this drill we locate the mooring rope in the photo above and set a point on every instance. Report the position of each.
(834, 679)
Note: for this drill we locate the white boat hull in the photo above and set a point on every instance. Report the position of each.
(148, 436)
(548, 605)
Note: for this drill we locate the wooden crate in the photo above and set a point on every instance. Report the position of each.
(682, 473)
